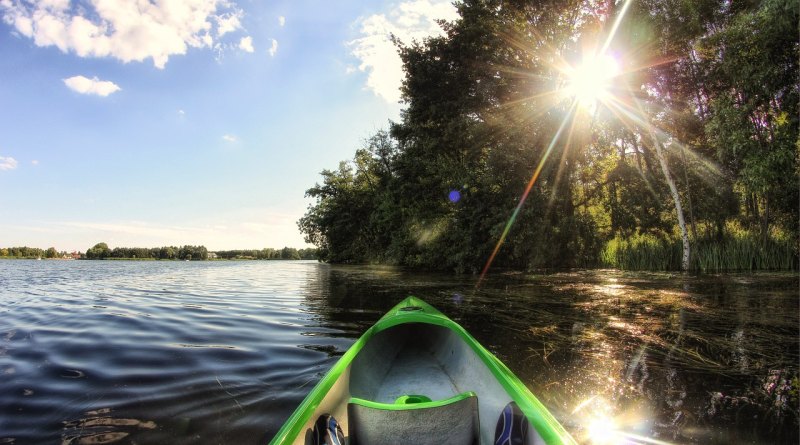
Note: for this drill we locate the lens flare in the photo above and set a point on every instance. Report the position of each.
(523, 198)
(580, 88)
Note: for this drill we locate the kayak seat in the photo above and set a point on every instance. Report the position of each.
(451, 421)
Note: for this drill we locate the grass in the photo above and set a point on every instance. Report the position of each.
(739, 250)
(642, 252)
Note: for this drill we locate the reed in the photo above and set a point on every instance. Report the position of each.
(738, 250)
(642, 252)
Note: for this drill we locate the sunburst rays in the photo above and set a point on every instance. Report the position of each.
(581, 91)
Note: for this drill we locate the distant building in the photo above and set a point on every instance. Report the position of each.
(212, 256)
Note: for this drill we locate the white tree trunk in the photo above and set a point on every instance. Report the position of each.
(675, 197)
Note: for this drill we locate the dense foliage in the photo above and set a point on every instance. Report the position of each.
(287, 253)
(101, 251)
(30, 252)
(703, 128)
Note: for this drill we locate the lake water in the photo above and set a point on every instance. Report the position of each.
(222, 352)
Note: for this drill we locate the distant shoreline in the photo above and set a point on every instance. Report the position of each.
(101, 251)
(11, 258)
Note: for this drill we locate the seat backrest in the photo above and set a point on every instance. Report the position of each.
(450, 421)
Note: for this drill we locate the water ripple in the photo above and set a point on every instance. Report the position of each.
(222, 352)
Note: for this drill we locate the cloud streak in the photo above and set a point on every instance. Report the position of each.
(272, 230)
(165, 232)
(273, 49)
(410, 20)
(125, 30)
(93, 86)
(8, 163)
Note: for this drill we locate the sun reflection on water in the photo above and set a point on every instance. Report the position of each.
(600, 426)
(602, 431)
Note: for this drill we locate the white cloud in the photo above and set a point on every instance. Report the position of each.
(228, 22)
(181, 113)
(273, 49)
(282, 21)
(408, 21)
(8, 163)
(35, 162)
(230, 138)
(125, 30)
(246, 44)
(94, 85)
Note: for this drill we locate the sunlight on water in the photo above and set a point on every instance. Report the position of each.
(603, 431)
(222, 352)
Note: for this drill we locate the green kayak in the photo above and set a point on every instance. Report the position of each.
(417, 377)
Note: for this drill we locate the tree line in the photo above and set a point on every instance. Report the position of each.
(287, 253)
(101, 251)
(196, 253)
(691, 163)
(30, 252)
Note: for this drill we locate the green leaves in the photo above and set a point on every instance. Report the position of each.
(713, 85)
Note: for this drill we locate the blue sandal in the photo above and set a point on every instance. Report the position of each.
(327, 431)
(512, 427)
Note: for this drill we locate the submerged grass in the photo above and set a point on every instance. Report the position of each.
(717, 361)
(738, 250)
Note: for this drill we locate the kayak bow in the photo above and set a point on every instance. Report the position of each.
(418, 377)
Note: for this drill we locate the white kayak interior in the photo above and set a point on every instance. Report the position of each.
(417, 359)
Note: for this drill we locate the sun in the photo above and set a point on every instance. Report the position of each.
(591, 81)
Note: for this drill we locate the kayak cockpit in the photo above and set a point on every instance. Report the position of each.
(416, 360)
(418, 377)
(406, 359)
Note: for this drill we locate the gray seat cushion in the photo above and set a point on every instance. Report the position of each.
(450, 421)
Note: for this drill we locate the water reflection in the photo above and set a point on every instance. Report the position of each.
(649, 358)
(100, 427)
(222, 352)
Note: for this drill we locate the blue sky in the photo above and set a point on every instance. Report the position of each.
(187, 121)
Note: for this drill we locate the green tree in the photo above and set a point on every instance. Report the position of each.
(167, 253)
(338, 222)
(98, 252)
(754, 124)
(290, 253)
(706, 126)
